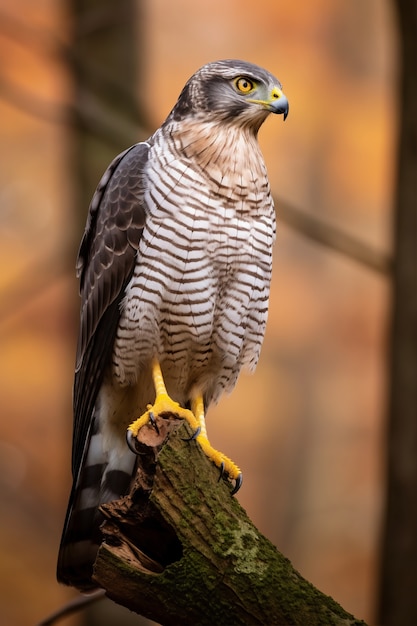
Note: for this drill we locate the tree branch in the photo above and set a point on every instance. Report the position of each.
(334, 238)
(180, 550)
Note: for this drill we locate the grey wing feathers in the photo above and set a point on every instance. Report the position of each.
(105, 264)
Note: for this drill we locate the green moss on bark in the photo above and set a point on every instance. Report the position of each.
(226, 573)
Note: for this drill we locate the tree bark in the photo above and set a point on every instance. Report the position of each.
(179, 549)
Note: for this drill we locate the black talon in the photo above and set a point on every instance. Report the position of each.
(131, 441)
(238, 484)
(194, 435)
(152, 421)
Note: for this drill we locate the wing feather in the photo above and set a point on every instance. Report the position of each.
(105, 264)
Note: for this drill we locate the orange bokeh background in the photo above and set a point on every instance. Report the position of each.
(307, 428)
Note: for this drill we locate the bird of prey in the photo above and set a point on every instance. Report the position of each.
(174, 268)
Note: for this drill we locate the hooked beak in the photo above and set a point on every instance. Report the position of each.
(278, 103)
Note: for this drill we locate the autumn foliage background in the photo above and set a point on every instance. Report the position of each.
(307, 428)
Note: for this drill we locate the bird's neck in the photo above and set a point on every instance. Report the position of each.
(218, 148)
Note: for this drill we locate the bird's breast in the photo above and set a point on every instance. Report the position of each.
(201, 281)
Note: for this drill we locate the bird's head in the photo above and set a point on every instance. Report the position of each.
(231, 91)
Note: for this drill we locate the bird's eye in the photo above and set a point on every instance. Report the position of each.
(244, 85)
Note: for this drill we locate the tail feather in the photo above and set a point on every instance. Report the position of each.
(100, 479)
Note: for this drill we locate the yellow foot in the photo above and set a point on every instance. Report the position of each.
(226, 465)
(163, 405)
(196, 418)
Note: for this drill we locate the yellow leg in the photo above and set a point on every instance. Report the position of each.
(163, 404)
(222, 461)
(196, 418)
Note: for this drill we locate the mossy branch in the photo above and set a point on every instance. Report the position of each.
(180, 550)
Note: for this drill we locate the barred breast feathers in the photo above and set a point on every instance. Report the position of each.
(227, 155)
(204, 260)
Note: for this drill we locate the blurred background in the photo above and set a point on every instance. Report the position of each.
(81, 80)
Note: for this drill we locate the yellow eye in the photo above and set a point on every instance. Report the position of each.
(244, 85)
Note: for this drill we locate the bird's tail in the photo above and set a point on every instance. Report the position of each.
(100, 479)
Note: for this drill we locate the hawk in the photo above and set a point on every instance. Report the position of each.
(174, 268)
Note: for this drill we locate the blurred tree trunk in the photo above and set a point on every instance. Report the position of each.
(105, 62)
(105, 59)
(398, 597)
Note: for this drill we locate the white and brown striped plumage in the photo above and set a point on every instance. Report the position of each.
(175, 263)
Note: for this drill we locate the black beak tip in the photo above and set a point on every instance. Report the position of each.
(281, 107)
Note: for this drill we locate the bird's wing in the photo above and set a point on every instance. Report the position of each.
(105, 264)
